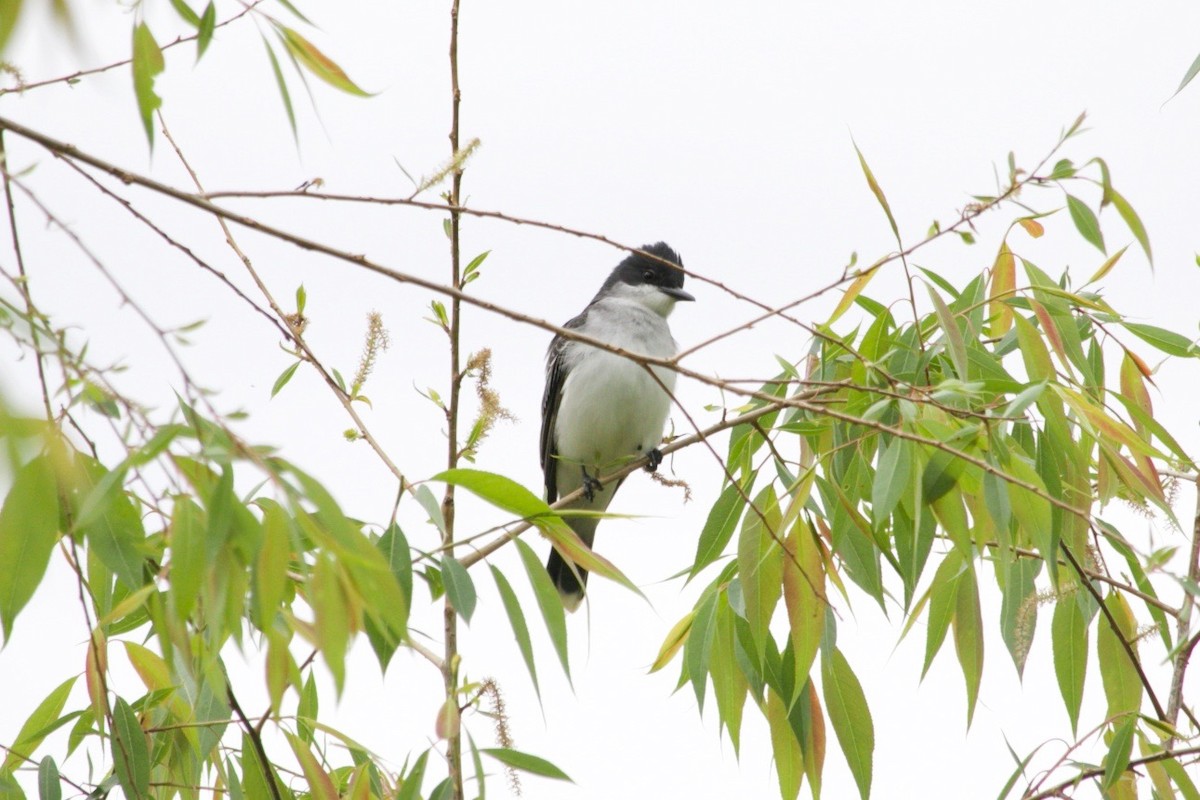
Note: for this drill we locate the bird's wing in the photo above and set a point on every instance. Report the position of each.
(556, 376)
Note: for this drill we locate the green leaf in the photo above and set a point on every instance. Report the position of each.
(10, 12)
(1122, 686)
(940, 475)
(851, 718)
(548, 602)
(954, 337)
(1069, 634)
(718, 528)
(520, 629)
(893, 476)
(316, 62)
(37, 726)
(130, 752)
(410, 784)
(148, 64)
(186, 13)
(28, 531)
(789, 758)
(1133, 221)
(877, 191)
(1119, 749)
(968, 638)
(284, 377)
(1085, 221)
(432, 507)
(188, 562)
(760, 564)
(281, 83)
(1169, 342)
(943, 598)
(1187, 76)
(525, 762)
(320, 785)
(49, 787)
(208, 24)
(460, 589)
(394, 546)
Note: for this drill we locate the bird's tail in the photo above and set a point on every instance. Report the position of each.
(569, 578)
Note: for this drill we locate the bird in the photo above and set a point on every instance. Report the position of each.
(600, 409)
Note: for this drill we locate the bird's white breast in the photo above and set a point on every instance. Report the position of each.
(611, 407)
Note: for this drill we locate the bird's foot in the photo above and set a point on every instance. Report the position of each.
(590, 485)
(653, 458)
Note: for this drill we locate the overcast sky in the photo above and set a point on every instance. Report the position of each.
(724, 129)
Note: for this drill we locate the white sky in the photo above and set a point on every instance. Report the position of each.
(724, 129)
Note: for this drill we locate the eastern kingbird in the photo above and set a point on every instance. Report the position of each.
(601, 410)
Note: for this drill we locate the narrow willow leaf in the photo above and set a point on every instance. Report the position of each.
(852, 293)
(1169, 342)
(954, 338)
(188, 563)
(1119, 749)
(804, 595)
(789, 758)
(525, 762)
(10, 12)
(284, 377)
(943, 598)
(1085, 221)
(186, 13)
(718, 528)
(37, 726)
(1108, 264)
(520, 629)
(28, 530)
(892, 477)
(675, 639)
(49, 787)
(728, 680)
(332, 616)
(460, 589)
(760, 564)
(281, 84)
(1192, 71)
(968, 638)
(851, 719)
(316, 62)
(208, 24)
(1122, 686)
(410, 784)
(1003, 287)
(148, 64)
(548, 602)
(1133, 221)
(130, 752)
(270, 570)
(877, 191)
(320, 785)
(1069, 634)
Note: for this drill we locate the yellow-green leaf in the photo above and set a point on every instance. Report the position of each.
(316, 62)
(37, 726)
(804, 595)
(850, 716)
(673, 642)
(1122, 686)
(1085, 221)
(968, 638)
(1004, 285)
(148, 64)
(28, 530)
(130, 752)
(1069, 634)
(320, 785)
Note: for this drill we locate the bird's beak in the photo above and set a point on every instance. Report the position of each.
(678, 294)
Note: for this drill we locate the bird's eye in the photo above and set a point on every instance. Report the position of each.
(648, 275)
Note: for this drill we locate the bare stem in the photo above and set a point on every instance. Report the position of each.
(449, 613)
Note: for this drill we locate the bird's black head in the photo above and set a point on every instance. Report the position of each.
(638, 270)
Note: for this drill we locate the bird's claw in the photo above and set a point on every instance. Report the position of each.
(653, 458)
(590, 486)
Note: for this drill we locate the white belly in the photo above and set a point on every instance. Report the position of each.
(611, 410)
